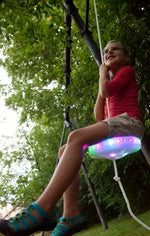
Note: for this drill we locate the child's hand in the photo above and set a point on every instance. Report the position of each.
(103, 70)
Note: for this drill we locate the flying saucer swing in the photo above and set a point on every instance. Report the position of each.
(116, 147)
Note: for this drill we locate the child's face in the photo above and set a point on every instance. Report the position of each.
(114, 56)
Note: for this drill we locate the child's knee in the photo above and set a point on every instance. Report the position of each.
(74, 136)
(61, 150)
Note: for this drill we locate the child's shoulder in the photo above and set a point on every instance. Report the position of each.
(128, 68)
(126, 72)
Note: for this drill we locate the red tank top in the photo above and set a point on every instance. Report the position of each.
(123, 94)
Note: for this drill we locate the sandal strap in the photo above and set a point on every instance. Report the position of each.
(32, 218)
(41, 212)
(66, 225)
(21, 220)
(72, 220)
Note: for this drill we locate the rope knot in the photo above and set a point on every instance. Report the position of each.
(116, 178)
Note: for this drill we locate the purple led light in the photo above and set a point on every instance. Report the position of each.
(118, 140)
(85, 146)
(135, 140)
(112, 155)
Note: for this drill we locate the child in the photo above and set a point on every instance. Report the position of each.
(122, 93)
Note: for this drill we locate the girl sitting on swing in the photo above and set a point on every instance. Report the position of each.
(126, 119)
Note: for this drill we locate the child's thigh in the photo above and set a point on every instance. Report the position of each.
(90, 134)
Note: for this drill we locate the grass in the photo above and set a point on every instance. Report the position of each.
(122, 226)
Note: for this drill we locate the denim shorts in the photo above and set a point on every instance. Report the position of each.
(125, 125)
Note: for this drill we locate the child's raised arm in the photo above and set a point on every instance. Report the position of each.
(103, 73)
(99, 108)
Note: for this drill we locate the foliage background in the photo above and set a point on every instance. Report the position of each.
(33, 39)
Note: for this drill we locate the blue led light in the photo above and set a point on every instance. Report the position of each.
(124, 140)
(103, 143)
(110, 141)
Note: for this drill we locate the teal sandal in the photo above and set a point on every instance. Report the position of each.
(70, 225)
(25, 223)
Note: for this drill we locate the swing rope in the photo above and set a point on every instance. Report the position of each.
(116, 177)
(98, 31)
(101, 50)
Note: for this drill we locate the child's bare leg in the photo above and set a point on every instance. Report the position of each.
(40, 214)
(70, 163)
(70, 196)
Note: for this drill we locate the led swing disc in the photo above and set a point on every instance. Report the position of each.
(115, 148)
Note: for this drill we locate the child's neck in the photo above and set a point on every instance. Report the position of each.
(113, 72)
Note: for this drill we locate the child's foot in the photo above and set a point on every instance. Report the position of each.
(26, 223)
(70, 225)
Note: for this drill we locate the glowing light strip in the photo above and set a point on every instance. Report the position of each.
(114, 148)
